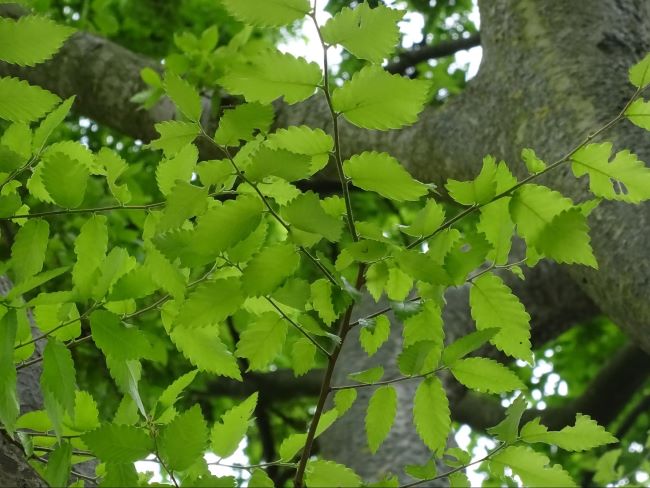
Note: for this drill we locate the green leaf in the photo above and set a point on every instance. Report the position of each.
(302, 356)
(180, 167)
(606, 470)
(201, 309)
(485, 375)
(35, 281)
(262, 340)
(422, 472)
(625, 178)
(466, 344)
(420, 358)
(270, 268)
(184, 202)
(278, 162)
(22, 102)
(183, 441)
(382, 173)
(9, 406)
(51, 122)
(241, 123)
(431, 414)
(58, 377)
(271, 13)
(374, 333)
(368, 376)
(231, 429)
(343, 400)
(426, 220)
(31, 39)
(260, 479)
(115, 166)
(174, 136)
(398, 285)
(426, 325)
(216, 173)
(90, 247)
(120, 474)
(118, 262)
(184, 96)
(368, 33)
(532, 162)
(65, 179)
(532, 467)
(304, 140)
(508, 429)
(639, 113)
(566, 239)
(28, 249)
(114, 339)
(306, 213)
(170, 395)
(296, 442)
(494, 306)
(478, 191)
(273, 75)
(203, 348)
(86, 414)
(380, 416)
(57, 472)
(119, 443)
(321, 300)
(584, 435)
(329, 473)
(497, 226)
(137, 283)
(640, 73)
(375, 99)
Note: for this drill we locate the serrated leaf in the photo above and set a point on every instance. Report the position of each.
(58, 377)
(183, 441)
(329, 473)
(9, 406)
(382, 408)
(273, 75)
(375, 99)
(422, 472)
(118, 262)
(625, 178)
(431, 414)
(22, 102)
(494, 306)
(606, 470)
(368, 33)
(65, 179)
(271, 13)
(382, 173)
(420, 358)
(585, 434)
(170, 395)
(640, 73)
(426, 325)
(90, 247)
(217, 173)
(260, 479)
(398, 285)
(269, 269)
(49, 123)
(304, 140)
(114, 339)
(28, 249)
(497, 226)
(532, 162)
(241, 123)
(120, 474)
(174, 136)
(262, 340)
(343, 400)
(566, 239)
(480, 190)
(119, 443)
(35, 281)
(532, 467)
(231, 429)
(184, 96)
(164, 274)
(86, 414)
(210, 303)
(306, 213)
(180, 167)
(368, 376)
(303, 354)
(374, 333)
(203, 348)
(426, 220)
(508, 429)
(278, 162)
(57, 472)
(485, 375)
(321, 300)
(115, 166)
(31, 39)
(295, 442)
(137, 283)
(185, 201)
(466, 344)
(639, 113)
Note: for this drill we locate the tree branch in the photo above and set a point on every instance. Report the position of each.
(408, 59)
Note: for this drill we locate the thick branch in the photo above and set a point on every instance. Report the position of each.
(14, 469)
(408, 59)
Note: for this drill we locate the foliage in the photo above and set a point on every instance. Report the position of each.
(225, 262)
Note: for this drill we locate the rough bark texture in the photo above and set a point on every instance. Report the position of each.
(552, 71)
